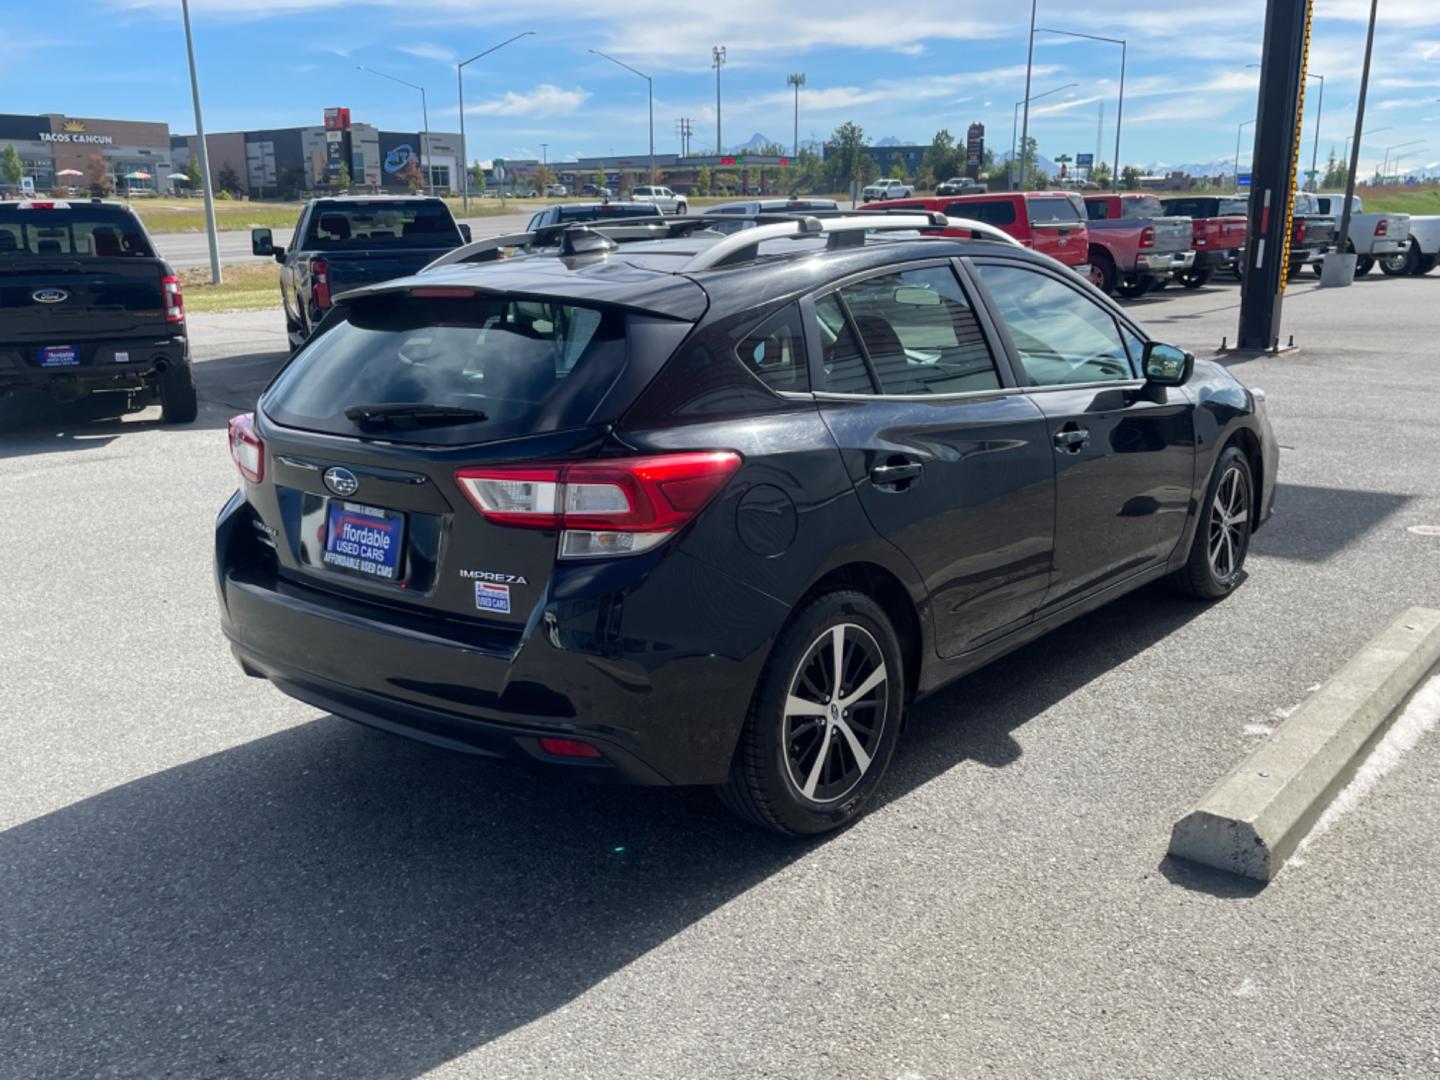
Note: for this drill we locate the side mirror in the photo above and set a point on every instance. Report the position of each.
(1166, 365)
(262, 242)
(465, 232)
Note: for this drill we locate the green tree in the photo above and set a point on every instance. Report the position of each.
(1101, 174)
(1039, 179)
(1029, 152)
(226, 180)
(1336, 172)
(97, 175)
(941, 156)
(11, 167)
(702, 180)
(1130, 178)
(343, 178)
(192, 173)
(600, 178)
(847, 161)
(897, 170)
(805, 174)
(987, 162)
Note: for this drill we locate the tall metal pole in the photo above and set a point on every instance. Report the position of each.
(424, 116)
(717, 57)
(1015, 111)
(1344, 239)
(1119, 118)
(204, 157)
(1315, 153)
(1025, 127)
(650, 93)
(1238, 132)
(797, 80)
(460, 87)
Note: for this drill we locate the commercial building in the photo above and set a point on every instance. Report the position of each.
(134, 154)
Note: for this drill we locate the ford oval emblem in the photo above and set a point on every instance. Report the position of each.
(49, 296)
(341, 481)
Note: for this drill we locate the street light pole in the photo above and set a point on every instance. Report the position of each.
(650, 94)
(717, 58)
(460, 84)
(425, 118)
(1385, 168)
(1025, 128)
(204, 158)
(1345, 157)
(1315, 152)
(1014, 117)
(1238, 132)
(797, 80)
(1120, 108)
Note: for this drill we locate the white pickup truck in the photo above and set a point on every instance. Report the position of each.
(1372, 236)
(662, 198)
(1422, 254)
(887, 189)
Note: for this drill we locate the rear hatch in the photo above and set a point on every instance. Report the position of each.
(1057, 224)
(365, 431)
(56, 291)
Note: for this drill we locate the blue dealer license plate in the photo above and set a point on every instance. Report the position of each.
(59, 356)
(363, 540)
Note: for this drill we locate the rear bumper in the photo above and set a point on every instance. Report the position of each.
(1216, 259)
(607, 657)
(102, 364)
(1305, 255)
(1164, 262)
(1388, 245)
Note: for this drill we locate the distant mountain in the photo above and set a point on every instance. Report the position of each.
(1194, 168)
(1041, 162)
(754, 143)
(891, 140)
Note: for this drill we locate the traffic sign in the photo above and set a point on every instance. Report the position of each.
(1084, 161)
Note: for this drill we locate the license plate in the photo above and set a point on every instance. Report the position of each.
(59, 356)
(363, 540)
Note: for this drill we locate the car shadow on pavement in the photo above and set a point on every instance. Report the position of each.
(1319, 522)
(34, 423)
(329, 901)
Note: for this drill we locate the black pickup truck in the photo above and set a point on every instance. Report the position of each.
(345, 242)
(87, 306)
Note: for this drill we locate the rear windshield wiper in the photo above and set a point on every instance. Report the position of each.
(411, 414)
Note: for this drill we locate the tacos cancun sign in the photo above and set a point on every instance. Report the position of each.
(75, 137)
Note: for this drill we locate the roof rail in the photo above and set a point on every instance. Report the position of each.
(743, 246)
(617, 230)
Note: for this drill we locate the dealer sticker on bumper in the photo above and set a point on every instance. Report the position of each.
(490, 597)
(59, 356)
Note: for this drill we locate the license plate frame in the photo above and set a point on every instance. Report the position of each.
(58, 356)
(363, 541)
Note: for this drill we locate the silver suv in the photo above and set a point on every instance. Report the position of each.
(662, 198)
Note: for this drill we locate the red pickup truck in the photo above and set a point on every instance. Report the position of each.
(1051, 222)
(1218, 227)
(1133, 244)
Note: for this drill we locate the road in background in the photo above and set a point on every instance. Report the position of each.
(191, 249)
(201, 877)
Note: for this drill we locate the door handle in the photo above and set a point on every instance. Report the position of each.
(1072, 440)
(894, 476)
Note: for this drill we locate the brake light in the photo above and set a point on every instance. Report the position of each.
(1301, 228)
(568, 748)
(1147, 236)
(1382, 227)
(320, 282)
(246, 448)
(620, 506)
(174, 298)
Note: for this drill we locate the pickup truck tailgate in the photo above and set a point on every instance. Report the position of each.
(65, 300)
(352, 269)
(1172, 233)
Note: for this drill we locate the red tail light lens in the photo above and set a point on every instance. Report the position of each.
(1300, 230)
(568, 748)
(1147, 236)
(174, 298)
(320, 282)
(246, 448)
(620, 506)
(1382, 227)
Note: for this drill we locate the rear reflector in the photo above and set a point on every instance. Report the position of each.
(572, 748)
(246, 448)
(618, 506)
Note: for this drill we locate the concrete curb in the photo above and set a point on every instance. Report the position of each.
(1252, 820)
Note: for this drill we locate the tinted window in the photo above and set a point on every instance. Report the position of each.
(920, 333)
(610, 210)
(101, 231)
(1062, 336)
(844, 366)
(529, 366)
(1097, 209)
(990, 211)
(376, 223)
(1191, 208)
(1234, 206)
(1146, 207)
(775, 351)
(1052, 209)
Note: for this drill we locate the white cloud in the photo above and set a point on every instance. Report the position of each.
(544, 100)
(428, 51)
(1064, 106)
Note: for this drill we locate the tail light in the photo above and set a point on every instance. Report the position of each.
(1382, 227)
(571, 748)
(174, 298)
(1147, 236)
(621, 506)
(1301, 230)
(320, 282)
(246, 447)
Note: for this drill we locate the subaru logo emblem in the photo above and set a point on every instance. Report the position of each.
(341, 481)
(49, 296)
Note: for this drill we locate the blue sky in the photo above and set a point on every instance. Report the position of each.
(897, 70)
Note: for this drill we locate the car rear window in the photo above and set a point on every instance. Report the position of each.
(1146, 207)
(990, 211)
(90, 231)
(528, 365)
(1052, 209)
(613, 210)
(375, 223)
(1191, 208)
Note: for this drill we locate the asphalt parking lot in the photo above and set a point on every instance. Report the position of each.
(201, 878)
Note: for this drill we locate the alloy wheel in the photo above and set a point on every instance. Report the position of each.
(835, 713)
(1229, 523)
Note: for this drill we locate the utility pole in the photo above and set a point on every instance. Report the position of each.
(685, 128)
(797, 80)
(1025, 128)
(460, 84)
(717, 59)
(650, 96)
(201, 154)
(424, 116)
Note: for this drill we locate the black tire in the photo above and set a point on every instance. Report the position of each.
(178, 401)
(1132, 288)
(1426, 264)
(1363, 265)
(780, 754)
(1402, 263)
(681, 209)
(1194, 278)
(1217, 562)
(1102, 272)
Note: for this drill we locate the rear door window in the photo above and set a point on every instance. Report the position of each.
(377, 223)
(775, 351)
(990, 211)
(526, 366)
(1147, 207)
(99, 231)
(1097, 210)
(1050, 210)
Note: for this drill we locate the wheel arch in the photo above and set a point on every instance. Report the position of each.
(887, 590)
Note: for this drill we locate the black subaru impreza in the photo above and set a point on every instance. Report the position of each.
(716, 509)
